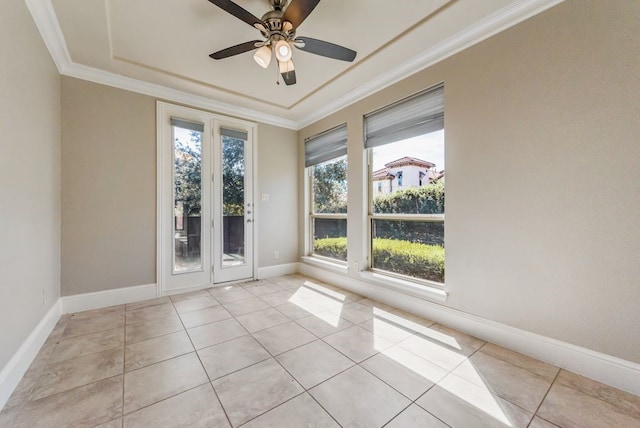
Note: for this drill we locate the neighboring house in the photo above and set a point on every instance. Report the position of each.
(404, 173)
(436, 176)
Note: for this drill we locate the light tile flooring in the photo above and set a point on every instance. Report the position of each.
(293, 352)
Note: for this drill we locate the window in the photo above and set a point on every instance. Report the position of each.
(407, 225)
(326, 162)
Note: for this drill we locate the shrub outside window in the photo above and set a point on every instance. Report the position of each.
(326, 162)
(406, 220)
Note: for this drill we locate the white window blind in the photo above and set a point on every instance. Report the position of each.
(233, 133)
(419, 114)
(325, 146)
(187, 124)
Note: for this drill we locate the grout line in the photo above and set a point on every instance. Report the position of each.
(606, 402)
(226, 415)
(499, 357)
(151, 337)
(322, 407)
(397, 414)
(419, 406)
(535, 413)
(77, 387)
(164, 399)
(273, 408)
(240, 369)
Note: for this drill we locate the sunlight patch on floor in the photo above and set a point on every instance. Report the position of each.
(425, 342)
(318, 300)
(330, 318)
(477, 396)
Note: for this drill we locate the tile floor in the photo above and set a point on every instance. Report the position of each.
(293, 352)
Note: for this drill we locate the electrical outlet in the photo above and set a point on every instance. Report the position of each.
(44, 297)
(356, 266)
(276, 255)
(265, 197)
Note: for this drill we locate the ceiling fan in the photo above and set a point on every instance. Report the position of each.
(278, 27)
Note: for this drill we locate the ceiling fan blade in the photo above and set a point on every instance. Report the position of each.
(298, 11)
(289, 77)
(330, 50)
(237, 49)
(237, 11)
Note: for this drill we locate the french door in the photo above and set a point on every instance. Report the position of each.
(205, 199)
(232, 203)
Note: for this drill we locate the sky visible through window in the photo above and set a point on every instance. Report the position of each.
(429, 147)
(184, 135)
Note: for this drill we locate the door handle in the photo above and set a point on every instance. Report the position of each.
(249, 220)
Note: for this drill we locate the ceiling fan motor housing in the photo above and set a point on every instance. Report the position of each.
(276, 27)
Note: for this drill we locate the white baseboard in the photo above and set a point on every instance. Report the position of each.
(277, 270)
(605, 368)
(102, 299)
(17, 366)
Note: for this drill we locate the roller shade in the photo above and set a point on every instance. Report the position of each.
(417, 115)
(233, 133)
(325, 146)
(187, 124)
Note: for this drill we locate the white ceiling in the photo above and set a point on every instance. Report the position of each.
(161, 48)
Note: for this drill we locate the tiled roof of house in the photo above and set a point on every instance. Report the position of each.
(383, 174)
(407, 160)
(437, 176)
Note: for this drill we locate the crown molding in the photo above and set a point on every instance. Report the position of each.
(95, 75)
(47, 23)
(481, 30)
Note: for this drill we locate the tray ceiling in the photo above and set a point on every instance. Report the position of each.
(163, 46)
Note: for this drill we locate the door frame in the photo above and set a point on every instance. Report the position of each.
(164, 169)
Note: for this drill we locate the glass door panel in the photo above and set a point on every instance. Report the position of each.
(233, 201)
(187, 199)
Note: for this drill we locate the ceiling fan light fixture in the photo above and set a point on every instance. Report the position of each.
(285, 66)
(283, 51)
(263, 56)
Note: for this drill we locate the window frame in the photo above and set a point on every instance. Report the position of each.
(312, 216)
(408, 284)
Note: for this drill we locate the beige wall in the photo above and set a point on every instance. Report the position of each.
(543, 181)
(277, 177)
(29, 178)
(109, 189)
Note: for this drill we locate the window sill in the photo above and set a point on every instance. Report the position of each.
(405, 287)
(326, 264)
